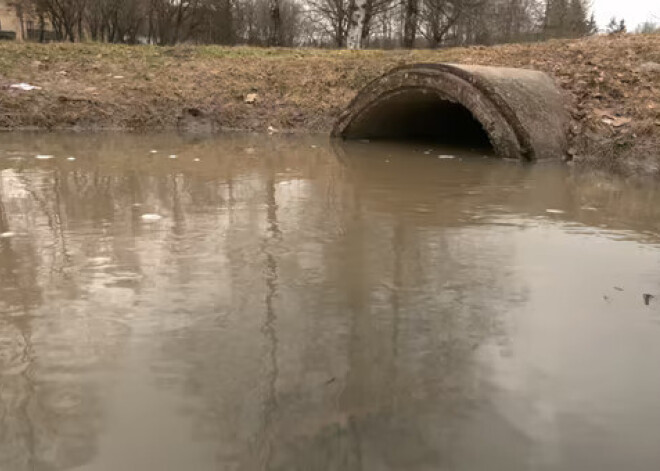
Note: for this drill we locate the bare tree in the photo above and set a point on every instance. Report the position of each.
(440, 16)
(373, 9)
(63, 15)
(648, 27)
(332, 17)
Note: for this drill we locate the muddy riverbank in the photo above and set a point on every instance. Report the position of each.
(612, 88)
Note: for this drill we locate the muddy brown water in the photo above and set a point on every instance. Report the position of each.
(282, 303)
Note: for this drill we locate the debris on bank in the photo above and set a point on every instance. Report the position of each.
(26, 87)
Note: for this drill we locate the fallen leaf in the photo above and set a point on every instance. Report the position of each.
(620, 121)
(604, 113)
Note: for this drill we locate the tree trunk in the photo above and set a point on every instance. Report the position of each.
(275, 33)
(410, 13)
(21, 24)
(42, 27)
(366, 24)
(356, 23)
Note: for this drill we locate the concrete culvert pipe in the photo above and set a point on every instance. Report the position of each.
(518, 112)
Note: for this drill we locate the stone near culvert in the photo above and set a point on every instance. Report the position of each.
(521, 111)
(650, 67)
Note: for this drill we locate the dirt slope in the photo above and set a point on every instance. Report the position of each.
(611, 83)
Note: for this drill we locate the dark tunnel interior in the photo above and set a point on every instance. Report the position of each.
(419, 116)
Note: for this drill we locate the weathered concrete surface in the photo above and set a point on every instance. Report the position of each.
(521, 111)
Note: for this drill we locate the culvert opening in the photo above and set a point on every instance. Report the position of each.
(420, 115)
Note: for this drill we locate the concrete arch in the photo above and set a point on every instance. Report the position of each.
(520, 111)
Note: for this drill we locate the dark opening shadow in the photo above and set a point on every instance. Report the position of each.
(417, 115)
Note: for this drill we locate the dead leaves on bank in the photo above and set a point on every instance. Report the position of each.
(610, 118)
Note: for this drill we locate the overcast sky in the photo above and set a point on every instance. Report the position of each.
(633, 11)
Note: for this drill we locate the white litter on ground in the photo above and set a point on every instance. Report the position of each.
(446, 156)
(196, 159)
(6, 235)
(151, 217)
(172, 156)
(153, 151)
(26, 87)
(554, 211)
(71, 158)
(44, 156)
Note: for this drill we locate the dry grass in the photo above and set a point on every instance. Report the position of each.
(615, 105)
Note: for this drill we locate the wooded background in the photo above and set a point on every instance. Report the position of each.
(318, 23)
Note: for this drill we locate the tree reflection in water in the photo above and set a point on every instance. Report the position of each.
(306, 312)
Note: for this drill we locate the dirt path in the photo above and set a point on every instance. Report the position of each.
(612, 86)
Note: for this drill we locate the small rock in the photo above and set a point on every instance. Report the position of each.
(446, 156)
(649, 67)
(196, 159)
(554, 211)
(71, 158)
(150, 217)
(118, 77)
(172, 156)
(647, 298)
(7, 235)
(271, 130)
(251, 98)
(153, 151)
(44, 156)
